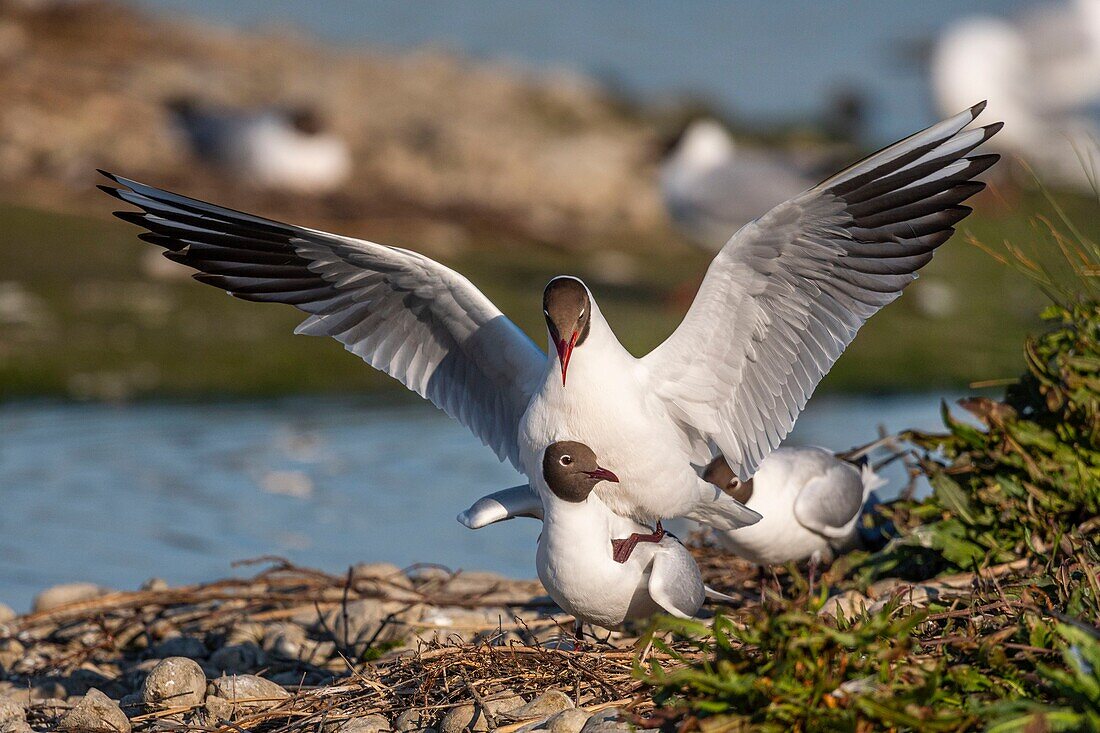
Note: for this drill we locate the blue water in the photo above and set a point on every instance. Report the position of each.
(116, 495)
(760, 59)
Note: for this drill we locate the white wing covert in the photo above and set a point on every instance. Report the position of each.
(786, 295)
(401, 312)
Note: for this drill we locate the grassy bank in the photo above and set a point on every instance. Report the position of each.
(81, 315)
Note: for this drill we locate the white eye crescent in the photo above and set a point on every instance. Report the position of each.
(565, 460)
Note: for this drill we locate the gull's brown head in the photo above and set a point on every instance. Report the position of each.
(572, 471)
(568, 311)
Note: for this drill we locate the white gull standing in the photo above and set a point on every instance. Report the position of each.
(810, 501)
(779, 304)
(576, 556)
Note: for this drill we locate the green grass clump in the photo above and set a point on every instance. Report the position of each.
(995, 663)
(1028, 479)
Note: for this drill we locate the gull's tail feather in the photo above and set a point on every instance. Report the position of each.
(714, 595)
(518, 501)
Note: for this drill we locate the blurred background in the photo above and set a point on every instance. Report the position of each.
(151, 426)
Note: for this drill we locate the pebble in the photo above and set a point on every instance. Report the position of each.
(470, 717)
(414, 721)
(238, 658)
(567, 721)
(607, 721)
(6, 613)
(217, 709)
(249, 691)
(59, 595)
(374, 723)
(548, 703)
(96, 713)
(384, 579)
(11, 651)
(176, 682)
(361, 621)
(11, 711)
(132, 704)
(848, 604)
(180, 646)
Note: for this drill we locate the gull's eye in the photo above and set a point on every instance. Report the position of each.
(565, 460)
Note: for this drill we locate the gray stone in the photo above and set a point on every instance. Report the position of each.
(96, 713)
(11, 711)
(238, 658)
(471, 717)
(132, 704)
(217, 709)
(155, 584)
(354, 627)
(567, 721)
(374, 723)
(606, 721)
(846, 605)
(60, 595)
(180, 646)
(548, 703)
(176, 682)
(11, 651)
(383, 579)
(249, 691)
(414, 721)
(49, 690)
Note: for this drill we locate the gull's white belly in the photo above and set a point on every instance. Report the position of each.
(579, 573)
(633, 438)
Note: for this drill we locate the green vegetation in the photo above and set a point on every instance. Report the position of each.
(999, 628)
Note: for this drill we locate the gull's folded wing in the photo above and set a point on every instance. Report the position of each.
(788, 292)
(401, 312)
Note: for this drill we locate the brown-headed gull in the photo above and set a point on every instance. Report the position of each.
(810, 501)
(576, 557)
(779, 304)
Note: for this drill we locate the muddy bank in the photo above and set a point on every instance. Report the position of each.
(434, 137)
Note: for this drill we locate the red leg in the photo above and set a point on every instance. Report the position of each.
(621, 549)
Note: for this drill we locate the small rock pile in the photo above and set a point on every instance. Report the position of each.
(379, 649)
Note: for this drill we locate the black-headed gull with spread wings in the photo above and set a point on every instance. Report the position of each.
(779, 304)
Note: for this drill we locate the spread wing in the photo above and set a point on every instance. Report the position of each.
(401, 312)
(830, 503)
(788, 292)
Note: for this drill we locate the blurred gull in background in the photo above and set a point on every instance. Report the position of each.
(712, 186)
(1041, 75)
(277, 148)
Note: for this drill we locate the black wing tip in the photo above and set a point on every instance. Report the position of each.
(111, 191)
(978, 108)
(206, 278)
(108, 174)
(981, 163)
(992, 129)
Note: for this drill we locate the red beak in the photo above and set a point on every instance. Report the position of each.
(565, 350)
(603, 475)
